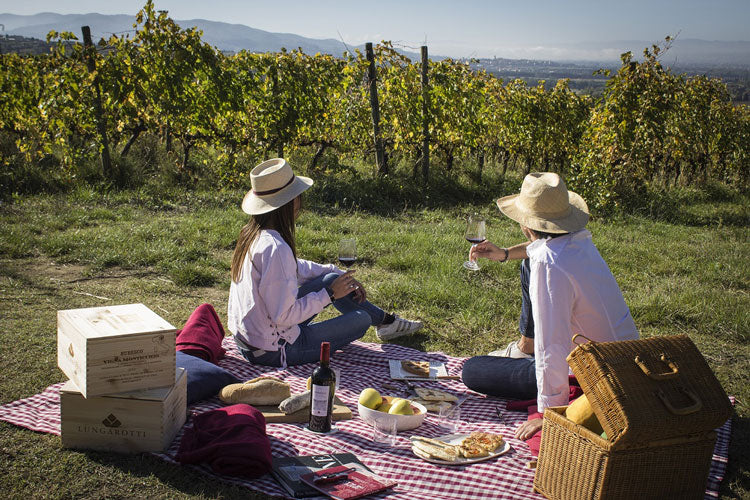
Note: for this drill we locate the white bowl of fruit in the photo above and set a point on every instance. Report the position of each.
(407, 414)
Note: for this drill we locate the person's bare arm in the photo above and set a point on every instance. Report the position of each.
(488, 250)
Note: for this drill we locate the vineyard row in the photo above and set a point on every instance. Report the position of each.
(82, 100)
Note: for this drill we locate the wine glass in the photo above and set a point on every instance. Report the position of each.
(347, 251)
(476, 232)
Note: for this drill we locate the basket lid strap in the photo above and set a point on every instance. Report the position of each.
(659, 376)
(579, 335)
(696, 405)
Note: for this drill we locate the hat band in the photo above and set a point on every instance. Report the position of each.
(272, 191)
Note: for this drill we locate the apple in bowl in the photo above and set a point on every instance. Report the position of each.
(407, 414)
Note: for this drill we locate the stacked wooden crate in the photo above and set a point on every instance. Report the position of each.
(125, 393)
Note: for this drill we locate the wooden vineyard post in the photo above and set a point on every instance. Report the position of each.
(275, 93)
(101, 123)
(425, 116)
(372, 80)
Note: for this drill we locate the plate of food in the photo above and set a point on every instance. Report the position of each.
(435, 400)
(411, 369)
(459, 449)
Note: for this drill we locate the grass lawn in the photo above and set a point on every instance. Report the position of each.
(87, 249)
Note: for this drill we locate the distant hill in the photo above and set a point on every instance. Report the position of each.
(225, 36)
(235, 37)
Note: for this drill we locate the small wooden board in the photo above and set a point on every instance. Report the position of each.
(274, 415)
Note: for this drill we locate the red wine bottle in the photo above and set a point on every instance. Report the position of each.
(323, 388)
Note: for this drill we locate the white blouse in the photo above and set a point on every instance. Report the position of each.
(263, 305)
(572, 291)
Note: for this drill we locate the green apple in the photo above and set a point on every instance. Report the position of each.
(370, 398)
(384, 406)
(401, 407)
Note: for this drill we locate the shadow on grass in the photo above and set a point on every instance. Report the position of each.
(184, 479)
(709, 204)
(395, 194)
(736, 483)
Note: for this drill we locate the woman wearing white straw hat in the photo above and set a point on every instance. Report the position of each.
(274, 295)
(567, 288)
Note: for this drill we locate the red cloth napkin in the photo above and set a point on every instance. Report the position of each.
(530, 405)
(202, 335)
(231, 440)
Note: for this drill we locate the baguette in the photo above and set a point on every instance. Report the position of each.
(258, 392)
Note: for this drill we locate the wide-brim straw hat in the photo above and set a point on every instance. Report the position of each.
(545, 204)
(273, 185)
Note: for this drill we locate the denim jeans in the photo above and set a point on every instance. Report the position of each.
(506, 377)
(503, 377)
(354, 321)
(526, 322)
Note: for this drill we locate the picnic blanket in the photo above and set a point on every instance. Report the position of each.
(364, 365)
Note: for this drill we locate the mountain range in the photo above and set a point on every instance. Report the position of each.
(224, 36)
(235, 37)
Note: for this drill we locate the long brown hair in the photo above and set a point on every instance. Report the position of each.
(281, 219)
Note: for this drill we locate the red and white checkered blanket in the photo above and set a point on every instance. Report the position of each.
(364, 365)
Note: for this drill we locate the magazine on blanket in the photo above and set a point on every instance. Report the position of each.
(288, 470)
(346, 483)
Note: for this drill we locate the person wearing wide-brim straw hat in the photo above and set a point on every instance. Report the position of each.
(274, 296)
(567, 289)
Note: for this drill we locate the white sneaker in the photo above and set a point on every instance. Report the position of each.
(512, 351)
(398, 328)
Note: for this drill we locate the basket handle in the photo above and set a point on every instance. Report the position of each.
(687, 410)
(579, 335)
(658, 376)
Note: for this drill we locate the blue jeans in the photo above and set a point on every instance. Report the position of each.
(354, 321)
(502, 377)
(506, 377)
(526, 322)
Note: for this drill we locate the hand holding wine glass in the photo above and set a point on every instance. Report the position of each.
(347, 257)
(486, 250)
(476, 232)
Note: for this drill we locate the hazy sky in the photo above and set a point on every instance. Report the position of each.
(455, 28)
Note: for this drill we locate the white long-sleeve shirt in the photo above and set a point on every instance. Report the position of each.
(263, 305)
(572, 291)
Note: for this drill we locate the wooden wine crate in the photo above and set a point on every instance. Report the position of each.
(108, 350)
(129, 422)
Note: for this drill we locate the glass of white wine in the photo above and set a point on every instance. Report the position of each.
(476, 232)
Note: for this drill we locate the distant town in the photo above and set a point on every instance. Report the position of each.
(584, 81)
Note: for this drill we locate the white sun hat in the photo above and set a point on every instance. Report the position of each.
(545, 204)
(273, 185)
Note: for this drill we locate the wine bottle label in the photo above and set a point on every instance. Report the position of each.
(320, 400)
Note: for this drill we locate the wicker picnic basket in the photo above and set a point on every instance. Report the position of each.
(658, 403)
